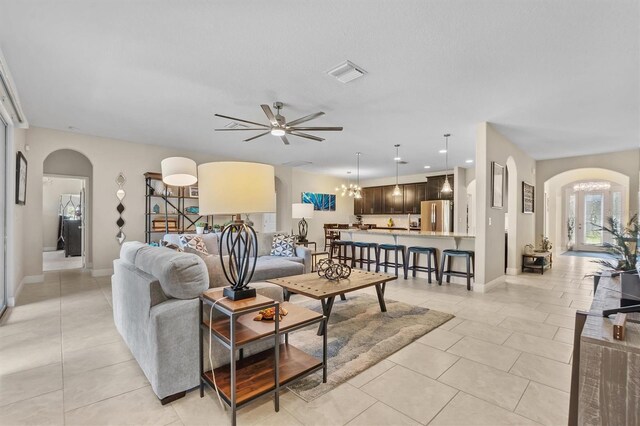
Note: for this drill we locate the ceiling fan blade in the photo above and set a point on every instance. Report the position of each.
(284, 140)
(233, 130)
(269, 114)
(304, 135)
(241, 120)
(305, 118)
(317, 129)
(257, 136)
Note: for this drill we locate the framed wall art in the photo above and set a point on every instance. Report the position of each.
(528, 197)
(193, 191)
(497, 185)
(321, 202)
(21, 179)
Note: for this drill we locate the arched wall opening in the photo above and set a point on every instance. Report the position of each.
(555, 220)
(68, 163)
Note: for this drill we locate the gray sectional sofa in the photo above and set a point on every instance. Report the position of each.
(155, 309)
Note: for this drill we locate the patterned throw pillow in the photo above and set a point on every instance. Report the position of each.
(195, 242)
(283, 245)
(171, 246)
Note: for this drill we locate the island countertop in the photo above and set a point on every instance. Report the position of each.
(407, 233)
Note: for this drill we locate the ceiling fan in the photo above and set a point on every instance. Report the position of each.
(278, 125)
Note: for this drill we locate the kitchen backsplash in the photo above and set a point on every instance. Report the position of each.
(380, 221)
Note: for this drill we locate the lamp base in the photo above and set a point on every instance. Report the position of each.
(243, 293)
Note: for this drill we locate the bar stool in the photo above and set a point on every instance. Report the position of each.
(368, 261)
(447, 256)
(387, 248)
(342, 249)
(417, 251)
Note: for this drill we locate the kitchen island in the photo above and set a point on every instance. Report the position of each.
(408, 238)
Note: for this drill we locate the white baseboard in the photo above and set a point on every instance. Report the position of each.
(513, 271)
(29, 279)
(101, 272)
(49, 249)
(483, 288)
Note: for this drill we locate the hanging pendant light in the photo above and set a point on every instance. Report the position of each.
(396, 191)
(446, 188)
(358, 190)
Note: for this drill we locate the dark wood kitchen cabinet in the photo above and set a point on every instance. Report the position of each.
(414, 194)
(392, 204)
(372, 200)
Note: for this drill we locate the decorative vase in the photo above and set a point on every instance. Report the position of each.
(156, 209)
(528, 249)
(199, 230)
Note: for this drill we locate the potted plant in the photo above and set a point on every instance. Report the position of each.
(200, 226)
(571, 224)
(624, 248)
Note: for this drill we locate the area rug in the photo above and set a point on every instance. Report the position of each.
(594, 254)
(359, 337)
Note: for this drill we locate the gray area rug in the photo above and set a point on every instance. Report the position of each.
(359, 337)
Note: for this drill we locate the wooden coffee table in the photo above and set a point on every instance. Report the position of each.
(324, 290)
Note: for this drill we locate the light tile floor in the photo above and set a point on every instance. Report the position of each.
(504, 359)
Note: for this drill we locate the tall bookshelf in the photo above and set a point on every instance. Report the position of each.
(173, 209)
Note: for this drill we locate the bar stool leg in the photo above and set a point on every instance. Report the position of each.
(441, 268)
(386, 260)
(468, 257)
(377, 252)
(449, 261)
(429, 266)
(415, 263)
(353, 256)
(435, 262)
(368, 259)
(404, 263)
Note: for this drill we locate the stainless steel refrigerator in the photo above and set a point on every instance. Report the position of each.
(436, 216)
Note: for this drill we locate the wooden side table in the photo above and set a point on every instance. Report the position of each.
(307, 244)
(545, 258)
(246, 379)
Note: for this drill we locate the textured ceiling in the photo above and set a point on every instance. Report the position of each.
(559, 78)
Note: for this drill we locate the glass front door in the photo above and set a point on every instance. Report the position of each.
(590, 220)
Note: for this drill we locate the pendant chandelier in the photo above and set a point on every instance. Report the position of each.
(358, 190)
(446, 188)
(350, 189)
(396, 191)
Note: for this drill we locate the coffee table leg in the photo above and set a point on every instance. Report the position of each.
(286, 294)
(327, 305)
(380, 293)
(343, 297)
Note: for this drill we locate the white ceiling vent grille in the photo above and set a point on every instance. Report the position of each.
(346, 72)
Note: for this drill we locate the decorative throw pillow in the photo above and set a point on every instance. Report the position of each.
(171, 246)
(195, 242)
(283, 245)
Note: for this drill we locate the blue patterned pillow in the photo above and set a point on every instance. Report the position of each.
(283, 245)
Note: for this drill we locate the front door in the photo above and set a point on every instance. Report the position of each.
(590, 216)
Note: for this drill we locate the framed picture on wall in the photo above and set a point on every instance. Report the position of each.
(497, 185)
(528, 197)
(321, 202)
(21, 179)
(193, 191)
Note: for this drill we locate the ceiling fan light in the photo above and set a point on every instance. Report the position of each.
(276, 131)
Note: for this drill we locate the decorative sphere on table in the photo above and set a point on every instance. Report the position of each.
(333, 271)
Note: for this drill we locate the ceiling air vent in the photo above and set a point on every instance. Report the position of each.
(346, 72)
(297, 163)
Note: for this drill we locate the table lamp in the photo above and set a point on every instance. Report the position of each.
(302, 211)
(236, 188)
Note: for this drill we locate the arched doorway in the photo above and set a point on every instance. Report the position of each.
(578, 201)
(66, 212)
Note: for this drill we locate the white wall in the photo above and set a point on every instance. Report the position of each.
(312, 182)
(492, 146)
(52, 189)
(108, 158)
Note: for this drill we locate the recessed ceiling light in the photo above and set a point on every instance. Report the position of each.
(427, 167)
(442, 151)
(397, 158)
(469, 161)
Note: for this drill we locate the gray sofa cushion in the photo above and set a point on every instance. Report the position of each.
(181, 275)
(288, 259)
(276, 268)
(129, 250)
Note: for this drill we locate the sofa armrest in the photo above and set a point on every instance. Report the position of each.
(304, 253)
